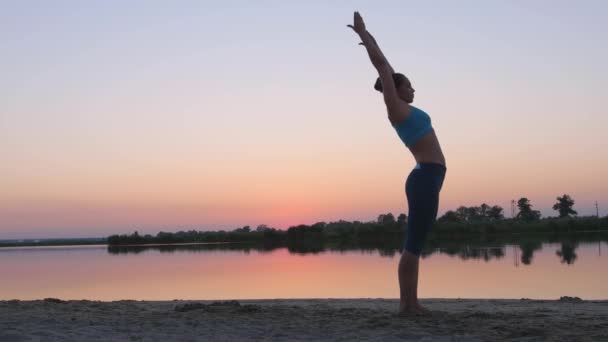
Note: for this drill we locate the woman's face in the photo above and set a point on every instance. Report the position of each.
(405, 91)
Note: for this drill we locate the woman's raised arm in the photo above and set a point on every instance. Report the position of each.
(396, 107)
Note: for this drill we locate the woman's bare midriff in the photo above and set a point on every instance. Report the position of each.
(428, 150)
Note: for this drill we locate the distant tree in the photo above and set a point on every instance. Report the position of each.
(386, 218)
(495, 213)
(463, 213)
(473, 214)
(245, 229)
(262, 228)
(564, 206)
(450, 216)
(401, 219)
(468, 214)
(483, 210)
(113, 239)
(523, 204)
(135, 238)
(525, 210)
(319, 225)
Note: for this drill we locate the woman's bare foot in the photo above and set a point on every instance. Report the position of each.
(413, 311)
(422, 309)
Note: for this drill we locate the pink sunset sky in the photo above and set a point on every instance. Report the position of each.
(209, 115)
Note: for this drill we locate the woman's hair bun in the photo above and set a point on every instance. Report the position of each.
(397, 78)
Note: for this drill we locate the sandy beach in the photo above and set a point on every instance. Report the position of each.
(567, 319)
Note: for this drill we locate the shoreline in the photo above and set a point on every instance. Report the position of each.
(302, 320)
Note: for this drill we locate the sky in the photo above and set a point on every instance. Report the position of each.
(118, 116)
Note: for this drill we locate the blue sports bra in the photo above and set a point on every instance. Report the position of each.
(412, 129)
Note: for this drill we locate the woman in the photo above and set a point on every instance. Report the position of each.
(425, 181)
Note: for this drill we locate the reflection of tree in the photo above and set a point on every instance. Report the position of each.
(490, 253)
(390, 249)
(387, 251)
(567, 252)
(137, 249)
(465, 252)
(309, 247)
(527, 251)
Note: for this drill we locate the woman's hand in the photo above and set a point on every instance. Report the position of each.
(375, 55)
(359, 25)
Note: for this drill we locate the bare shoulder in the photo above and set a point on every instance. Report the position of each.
(399, 113)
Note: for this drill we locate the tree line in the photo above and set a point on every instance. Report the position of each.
(461, 222)
(564, 207)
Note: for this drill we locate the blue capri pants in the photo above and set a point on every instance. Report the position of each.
(422, 189)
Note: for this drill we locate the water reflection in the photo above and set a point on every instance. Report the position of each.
(567, 252)
(472, 252)
(522, 268)
(527, 251)
(527, 247)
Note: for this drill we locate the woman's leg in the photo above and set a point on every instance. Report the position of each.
(422, 190)
(415, 302)
(408, 283)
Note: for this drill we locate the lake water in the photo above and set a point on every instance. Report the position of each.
(92, 272)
